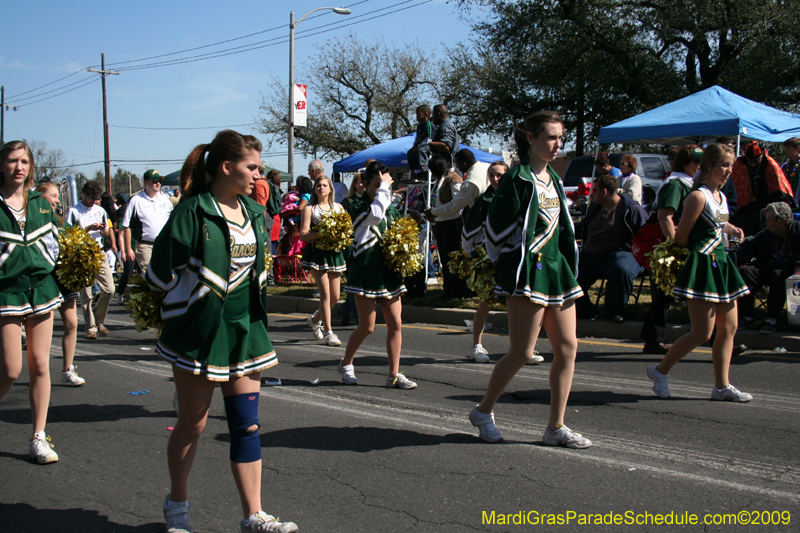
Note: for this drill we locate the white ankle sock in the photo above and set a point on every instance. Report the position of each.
(329, 332)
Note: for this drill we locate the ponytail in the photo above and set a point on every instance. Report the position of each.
(534, 124)
(199, 170)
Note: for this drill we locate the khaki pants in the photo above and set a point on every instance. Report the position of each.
(143, 254)
(105, 279)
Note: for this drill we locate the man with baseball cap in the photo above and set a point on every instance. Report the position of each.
(144, 218)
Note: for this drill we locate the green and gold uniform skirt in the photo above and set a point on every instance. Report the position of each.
(241, 346)
(323, 260)
(34, 302)
(710, 277)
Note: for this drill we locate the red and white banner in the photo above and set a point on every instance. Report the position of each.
(300, 105)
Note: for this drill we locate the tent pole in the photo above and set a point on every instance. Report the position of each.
(427, 249)
(738, 142)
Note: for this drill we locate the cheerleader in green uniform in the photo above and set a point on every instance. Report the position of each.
(210, 260)
(326, 265)
(708, 280)
(529, 236)
(28, 291)
(370, 280)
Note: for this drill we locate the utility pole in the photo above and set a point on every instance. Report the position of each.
(3, 109)
(103, 73)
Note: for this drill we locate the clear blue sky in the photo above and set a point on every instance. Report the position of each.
(44, 41)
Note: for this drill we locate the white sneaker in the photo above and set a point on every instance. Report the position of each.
(432, 281)
(332, 340)
(71, 376)
(400, 382)
(266, 523)
(565, 436)
(731, 394)
(479, 354)
(348, 373)
(485, 424)
(120, 299)
(535, 359)
(660, 381)
(312, 320)
(318, 330)
(177, 517)
(39, 448)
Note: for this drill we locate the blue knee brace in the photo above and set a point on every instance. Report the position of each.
(242, 412)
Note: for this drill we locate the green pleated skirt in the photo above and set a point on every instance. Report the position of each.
(242, 345)
(546, 281)
(37, 301)
(701, 279)
(323, 260)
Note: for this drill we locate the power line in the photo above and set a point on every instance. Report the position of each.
(93, 80)
(179, 129)
(50, 91)
(48, 84)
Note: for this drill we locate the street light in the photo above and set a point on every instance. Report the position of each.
(292, 24)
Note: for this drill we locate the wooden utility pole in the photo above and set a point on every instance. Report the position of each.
(103, 73)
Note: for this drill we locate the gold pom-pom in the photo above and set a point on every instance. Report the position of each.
(268, 257)
(336, 231)
(401, 247)
(478, 270)
(144, 305)
(666, 262)
(79, 260)
(460, 264)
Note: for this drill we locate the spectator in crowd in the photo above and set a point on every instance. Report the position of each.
(93, 218)
(445, 140)
(673, 153)
(175, 197)
(759, 181)
(420, 152)
(127, 266)
(475, 184)
(603, 166)
(274, 177)
(629, 184)
(768, 259)
(264, 191)
(608, 229)
(339, 188)
(668, 207)
(791, 167)
(315, 169)
(726, 141)
(145, 216)
(648, 199)
(447, 226)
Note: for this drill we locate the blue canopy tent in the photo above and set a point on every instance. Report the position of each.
(701, 118)
(393, 155)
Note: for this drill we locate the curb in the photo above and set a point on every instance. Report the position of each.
(586, 328)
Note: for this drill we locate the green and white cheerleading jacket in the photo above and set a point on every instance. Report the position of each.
(531, 239)
(192, 263)
(28, 254)
(473, 233)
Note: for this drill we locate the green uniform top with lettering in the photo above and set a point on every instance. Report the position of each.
(530, 238)
(28, 255)
(215, 276)
(708, 274)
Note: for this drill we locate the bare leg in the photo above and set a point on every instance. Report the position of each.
(701, 316)
(194, 397)
(324, 313)
(561, 326)
(366, 325)
(393, 313)
(246, 475)
(524, 321)
(334, 282)
(479, 322)
(722, 351)
(69, 318)
(40, 336)
(11, 360)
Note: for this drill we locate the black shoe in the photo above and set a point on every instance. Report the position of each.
(768, 328)
(617, 319)
(656, 348)
(739, 349)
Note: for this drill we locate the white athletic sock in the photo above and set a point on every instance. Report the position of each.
(249, 520)
(329, 332)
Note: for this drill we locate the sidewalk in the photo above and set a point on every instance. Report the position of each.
(586, 328)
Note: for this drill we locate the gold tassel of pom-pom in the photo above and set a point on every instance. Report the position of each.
(144, 305)
(401, 247)
(666, 262)
(79, 260)
(460, 264)
(268, 257)
(336, 231)
(482, 279)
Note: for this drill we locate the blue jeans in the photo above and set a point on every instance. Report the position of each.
(619, 268)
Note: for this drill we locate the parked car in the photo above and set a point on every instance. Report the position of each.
(577, 179)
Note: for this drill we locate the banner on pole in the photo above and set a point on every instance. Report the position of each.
(300, 105)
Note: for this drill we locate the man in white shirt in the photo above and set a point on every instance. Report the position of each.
(475, 184)
(339, 188)
(93, 218)
(145, 216)
(316, 169)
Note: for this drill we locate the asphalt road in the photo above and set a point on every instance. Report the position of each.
(371, 459)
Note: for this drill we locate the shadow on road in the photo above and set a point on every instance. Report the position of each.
(85, 413)
(23, 518)
(354, 439)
